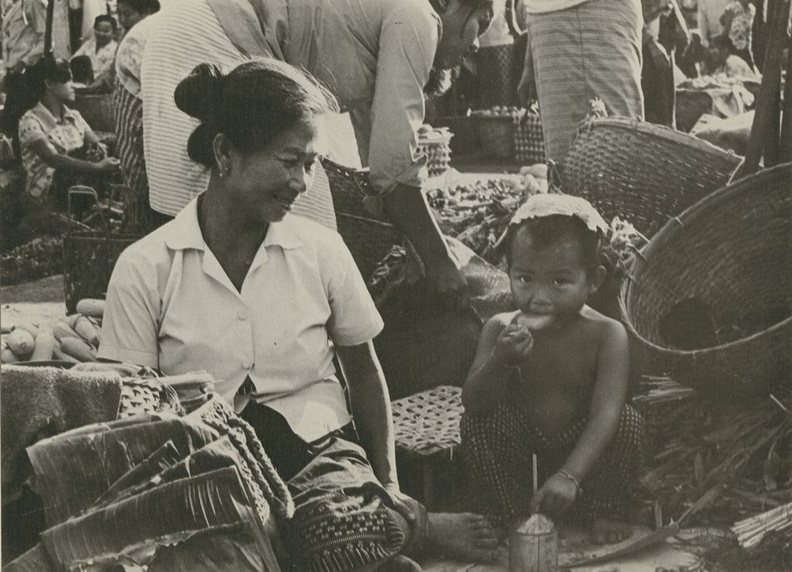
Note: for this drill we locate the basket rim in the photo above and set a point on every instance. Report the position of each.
(668, 232)
(671, 135)
(102, 234)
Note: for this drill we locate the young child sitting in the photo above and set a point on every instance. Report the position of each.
(551, 380)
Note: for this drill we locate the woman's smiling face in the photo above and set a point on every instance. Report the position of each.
(265, 184)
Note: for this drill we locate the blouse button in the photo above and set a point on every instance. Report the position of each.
(242, 314)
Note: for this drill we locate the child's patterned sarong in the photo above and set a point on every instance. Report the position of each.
(498, 448)
(342, 519)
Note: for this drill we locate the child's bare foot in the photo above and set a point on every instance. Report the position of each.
(464, 536)
(606, 531)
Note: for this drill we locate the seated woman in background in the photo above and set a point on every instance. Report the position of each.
(264, 300)
(50, 134)
(101, 49)
(723, 62)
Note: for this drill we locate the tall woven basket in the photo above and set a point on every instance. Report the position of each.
(642, 172)
(88, 261)
(368, 234)
(732, 252)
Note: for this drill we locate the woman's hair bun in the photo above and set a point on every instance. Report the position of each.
(200, 93)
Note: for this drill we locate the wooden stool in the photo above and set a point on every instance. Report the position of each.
(427, 431)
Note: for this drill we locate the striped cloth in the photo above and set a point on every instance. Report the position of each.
(587, 51)
(129, 148)
(191, 37)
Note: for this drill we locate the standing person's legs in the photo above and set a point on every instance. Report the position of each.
(590, 51)
(185, 35)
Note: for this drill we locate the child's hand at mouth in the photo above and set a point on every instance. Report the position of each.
(514, 343)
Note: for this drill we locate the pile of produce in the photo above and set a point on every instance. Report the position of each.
(501, 111)
(477, 214)
(73, 338)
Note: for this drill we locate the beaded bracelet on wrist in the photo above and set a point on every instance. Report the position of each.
(569, 476)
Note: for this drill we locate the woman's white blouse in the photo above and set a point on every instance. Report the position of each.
(171, 306)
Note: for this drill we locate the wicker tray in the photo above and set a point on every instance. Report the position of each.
(88, 261)
(642, 172)
(428, 422)
(732, 252)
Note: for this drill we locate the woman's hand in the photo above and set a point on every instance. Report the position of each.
(514, 343)
(405, 505)
(555, 497)
(108, 165)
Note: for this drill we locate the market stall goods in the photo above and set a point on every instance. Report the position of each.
(73, 339)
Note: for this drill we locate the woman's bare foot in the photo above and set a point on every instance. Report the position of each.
(463, 536)
(606, 531)
(399, 563)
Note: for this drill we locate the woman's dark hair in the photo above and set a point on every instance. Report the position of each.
(81, 69)
(550, 229)
(105, 18)
(24, 91)
(252, 105)
(47, 69)
(142, 6)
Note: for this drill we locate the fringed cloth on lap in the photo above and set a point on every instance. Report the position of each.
(341, 517)
(498, 447)
(588, 51)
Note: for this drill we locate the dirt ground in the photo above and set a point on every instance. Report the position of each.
(39, 302)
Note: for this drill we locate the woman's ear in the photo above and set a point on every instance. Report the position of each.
(221, 146)
(596, 279)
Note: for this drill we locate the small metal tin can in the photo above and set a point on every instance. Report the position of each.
(533, 546)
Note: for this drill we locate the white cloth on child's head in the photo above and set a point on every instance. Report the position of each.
(547, 204)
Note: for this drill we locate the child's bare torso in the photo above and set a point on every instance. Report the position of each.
(556, 381)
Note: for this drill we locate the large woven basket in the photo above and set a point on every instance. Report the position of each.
(642, 172)
(368, 234)
(88, 261)
(732, 252)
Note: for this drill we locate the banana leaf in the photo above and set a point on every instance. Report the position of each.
(131, 531)
(72, 470)
(34, 560)
(165, 456)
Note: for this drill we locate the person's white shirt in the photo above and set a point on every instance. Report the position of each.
(171, 306)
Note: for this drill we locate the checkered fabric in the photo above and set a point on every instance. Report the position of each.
(529, 145)
(498, 448)
(497, 85)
